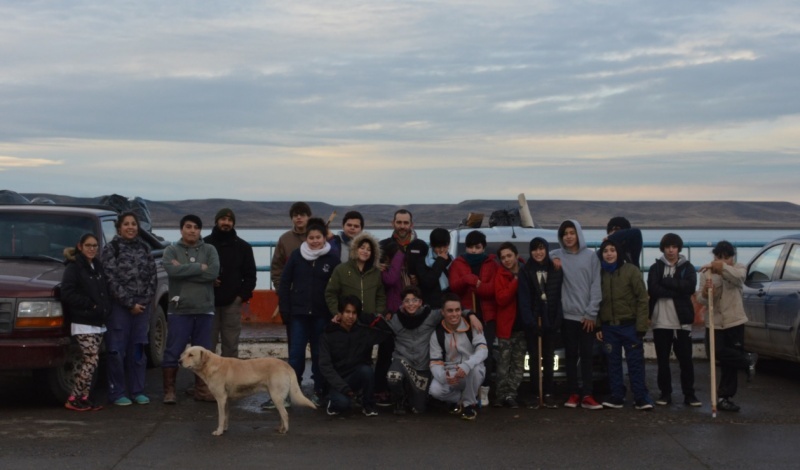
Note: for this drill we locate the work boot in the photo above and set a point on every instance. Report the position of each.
(169, 374)
(201, 391)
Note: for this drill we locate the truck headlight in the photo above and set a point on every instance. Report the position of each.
(39, 314)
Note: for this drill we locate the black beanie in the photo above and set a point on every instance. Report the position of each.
(224, 212)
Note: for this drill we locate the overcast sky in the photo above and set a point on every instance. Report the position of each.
(399, 102)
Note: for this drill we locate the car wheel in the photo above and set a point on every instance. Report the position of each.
(157, 337)
(55, 384)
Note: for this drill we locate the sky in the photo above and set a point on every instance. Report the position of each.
(400, 102)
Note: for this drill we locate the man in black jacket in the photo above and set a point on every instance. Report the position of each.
(345, 359)
(235, 284)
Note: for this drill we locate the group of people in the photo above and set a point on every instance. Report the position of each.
(434, 317)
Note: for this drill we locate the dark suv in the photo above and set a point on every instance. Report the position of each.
(771, 296)
(34, 332)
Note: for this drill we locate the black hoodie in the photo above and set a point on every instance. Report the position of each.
(530, 302)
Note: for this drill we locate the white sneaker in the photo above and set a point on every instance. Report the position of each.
(484, 394)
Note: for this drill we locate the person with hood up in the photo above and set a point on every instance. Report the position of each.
(671, 282)
(87, 303)
(580, 302)
(540, 300)
(472, 278)
(301, 299)
(623, 323)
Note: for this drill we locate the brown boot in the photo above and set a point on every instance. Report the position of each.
(201, 391)
(169, 374)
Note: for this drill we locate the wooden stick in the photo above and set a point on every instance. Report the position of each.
(712, 353)
(541, 373)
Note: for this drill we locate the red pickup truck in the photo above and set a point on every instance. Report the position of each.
(34, 332)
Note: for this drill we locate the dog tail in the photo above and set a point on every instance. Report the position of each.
(296, 394)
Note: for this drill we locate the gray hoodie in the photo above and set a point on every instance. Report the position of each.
(581, 291)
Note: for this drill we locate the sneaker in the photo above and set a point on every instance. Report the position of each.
(141, 399)
(369, 410)
(327, 409)
(550, 402)
(123, 401)
(383, 399)
(573, 401)
(484, 396)
(76, 404)
(534, 403)
(664, 400)
(725, 404)
(644, 405)
(510, 402)
(752, 358)
(469, 413)
(590, 403)
(92, 406)
(454, 409)
(691, 400)
(614, 402)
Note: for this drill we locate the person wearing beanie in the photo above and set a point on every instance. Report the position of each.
(539, 299)
(671, 281)
(434, 267)
(622, 323)
(235, 284)
(629, 240)
(192, 267)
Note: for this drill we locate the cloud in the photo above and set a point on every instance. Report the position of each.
(7, 162)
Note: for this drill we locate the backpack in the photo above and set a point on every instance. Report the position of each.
(440, 337)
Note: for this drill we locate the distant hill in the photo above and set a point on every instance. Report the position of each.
(546, 213)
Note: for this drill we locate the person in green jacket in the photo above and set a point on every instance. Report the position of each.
(623, 322)
(359, 276)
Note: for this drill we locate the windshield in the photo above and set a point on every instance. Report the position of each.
(41, 234)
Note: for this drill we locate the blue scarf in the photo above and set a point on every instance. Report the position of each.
(609, 267)
(444, 284)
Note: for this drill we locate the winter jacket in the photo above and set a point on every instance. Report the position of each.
(348, 280)
(84, 290)
(728, 306)
(463, 282)
(191, 289)
(131, 271)
(303, 282)
(531, 303)
(412, 344)
(624, 298)
(678, 287)
(430, 277)
(341, 351)
(237, 267)
(402, 264)
(505, 288)
(459, 351)
(287, 243)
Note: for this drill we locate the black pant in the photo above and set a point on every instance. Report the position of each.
(548, 351)
(578, 345)
(490, 333)
(730, 355)
(382, 363)
(679, 341)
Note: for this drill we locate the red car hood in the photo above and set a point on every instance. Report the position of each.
(29, 278)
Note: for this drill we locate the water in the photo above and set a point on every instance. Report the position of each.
(698, 256)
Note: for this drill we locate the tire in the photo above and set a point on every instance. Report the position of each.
(55, 384)
(157, 337)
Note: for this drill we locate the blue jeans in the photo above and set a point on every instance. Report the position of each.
(360, 380)
(194, 329)
(615, 339)
(126, 338)
(307, 329)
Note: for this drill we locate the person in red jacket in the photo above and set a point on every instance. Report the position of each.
(510, 330)
(472, 278)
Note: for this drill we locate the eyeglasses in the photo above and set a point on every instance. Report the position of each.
(90, 246)
(412, 301)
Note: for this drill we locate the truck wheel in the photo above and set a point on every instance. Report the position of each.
(55, 384)
(157, 337)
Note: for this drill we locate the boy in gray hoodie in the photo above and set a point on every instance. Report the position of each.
(580, 301)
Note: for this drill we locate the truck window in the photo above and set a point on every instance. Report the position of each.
(40, 234)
